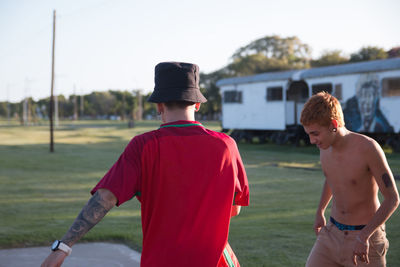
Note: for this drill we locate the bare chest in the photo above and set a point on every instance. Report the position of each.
(345, 171)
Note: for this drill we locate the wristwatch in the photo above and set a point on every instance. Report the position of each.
(59, 245)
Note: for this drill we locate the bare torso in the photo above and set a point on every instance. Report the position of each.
(354, 189)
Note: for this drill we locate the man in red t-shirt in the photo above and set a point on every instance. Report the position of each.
(189, 180)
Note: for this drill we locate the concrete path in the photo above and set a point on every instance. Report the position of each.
(83, 255)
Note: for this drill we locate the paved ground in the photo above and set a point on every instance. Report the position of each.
(83, 255)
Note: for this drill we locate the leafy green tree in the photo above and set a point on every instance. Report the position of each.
(65, 107)
(368, 53)
(270, 53)
(212, 108)
(124, 103)
(44, 105)
(32, 115)
(290, 48)
(394, 52)
(149, 109)
(99, 104)
(329, 58)
(3, 109)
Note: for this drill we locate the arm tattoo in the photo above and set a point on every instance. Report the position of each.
(91, 214)
(387, 181)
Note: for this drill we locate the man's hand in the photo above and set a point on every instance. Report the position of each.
(55, 259)
(319, 222)
(235, 210)
(360, 251)
(92, 213)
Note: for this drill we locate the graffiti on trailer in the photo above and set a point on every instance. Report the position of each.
(362, 112)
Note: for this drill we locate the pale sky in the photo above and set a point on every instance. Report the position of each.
(115, 44)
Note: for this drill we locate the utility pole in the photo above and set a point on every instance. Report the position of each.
(52, 86)
(81, 106)
(75, 105)
(29, 114)
(123, 107)
(25, 105)
(8, 103)
(25, 112)
(140, 105)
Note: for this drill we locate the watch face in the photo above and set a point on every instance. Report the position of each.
(55, 245)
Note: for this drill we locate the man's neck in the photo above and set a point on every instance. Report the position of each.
(177, 115)
(340, 139)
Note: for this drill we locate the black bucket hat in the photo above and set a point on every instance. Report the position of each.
(176, 81)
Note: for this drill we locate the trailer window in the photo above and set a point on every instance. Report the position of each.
(232, 97)
(338, 91)
(326, 87)
(391, 87)
(274, 94)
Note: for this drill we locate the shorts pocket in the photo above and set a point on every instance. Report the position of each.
(378, 247)
(324, 234)
(324, 230)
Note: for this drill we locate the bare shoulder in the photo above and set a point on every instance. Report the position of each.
(363, 143)
(368, 148)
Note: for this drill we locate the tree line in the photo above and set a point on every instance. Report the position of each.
(267, 54)
(112, 104)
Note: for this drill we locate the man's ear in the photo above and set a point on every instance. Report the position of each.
(197, 106)
(334, 124)
(160, 108)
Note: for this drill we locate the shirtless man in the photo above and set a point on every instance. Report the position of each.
(355, 168)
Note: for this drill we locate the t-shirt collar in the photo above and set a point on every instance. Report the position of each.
(181, 123)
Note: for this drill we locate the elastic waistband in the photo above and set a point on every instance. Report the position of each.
(343, 227)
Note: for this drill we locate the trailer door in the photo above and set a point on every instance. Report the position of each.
(296, 96)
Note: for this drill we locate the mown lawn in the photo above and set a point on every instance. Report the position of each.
(41, 193)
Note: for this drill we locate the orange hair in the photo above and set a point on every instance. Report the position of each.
(322, 108)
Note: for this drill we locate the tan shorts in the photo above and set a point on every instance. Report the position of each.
(334, 248)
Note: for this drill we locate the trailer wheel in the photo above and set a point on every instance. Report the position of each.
(238, 135)
(280, 138)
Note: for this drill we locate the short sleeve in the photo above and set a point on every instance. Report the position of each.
(242, 194)
(124, 177)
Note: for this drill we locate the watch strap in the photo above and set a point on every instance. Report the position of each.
(64, 247)
(59, 245)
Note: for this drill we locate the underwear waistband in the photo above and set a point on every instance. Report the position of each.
(343, 227)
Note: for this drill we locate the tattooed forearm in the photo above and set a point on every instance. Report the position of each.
(91, 214)
(386, 180)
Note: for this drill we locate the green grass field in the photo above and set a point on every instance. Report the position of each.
(41, 193)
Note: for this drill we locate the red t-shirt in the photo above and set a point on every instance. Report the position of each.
(187, 178)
